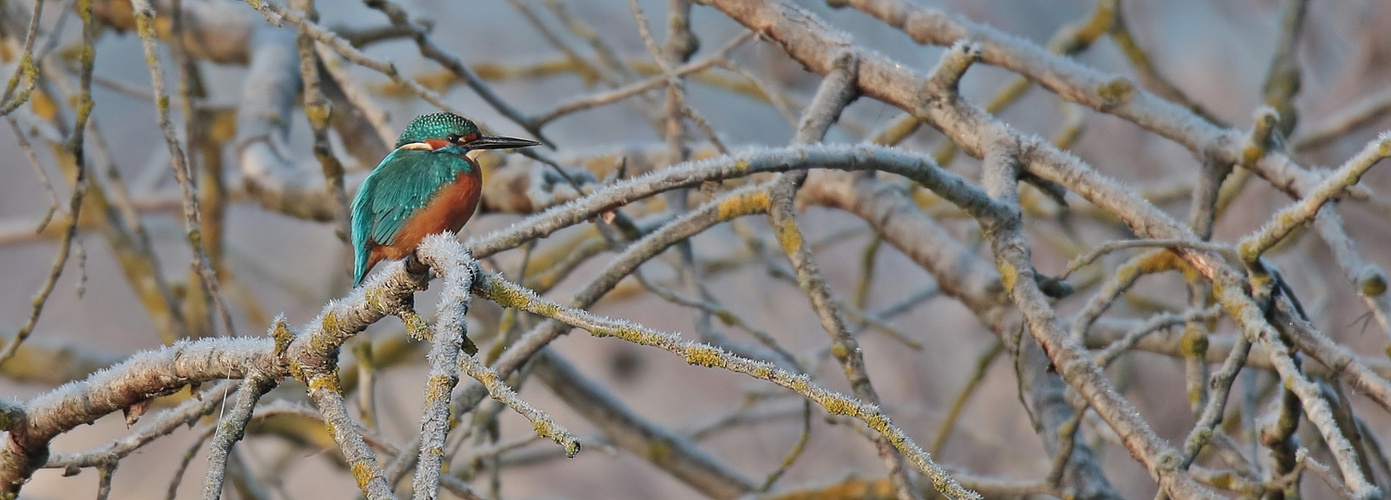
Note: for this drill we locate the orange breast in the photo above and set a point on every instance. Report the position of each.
(450, 208)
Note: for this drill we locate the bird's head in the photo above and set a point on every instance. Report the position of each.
(455, 133)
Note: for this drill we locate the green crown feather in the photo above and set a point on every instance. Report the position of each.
(436, 126)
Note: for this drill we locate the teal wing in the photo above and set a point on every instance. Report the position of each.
(400, 186)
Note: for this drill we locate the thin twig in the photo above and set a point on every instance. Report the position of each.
(508, 294)
(231, 429)
(317, 110)
(1360, 113)
(54, 202)
(1083, 260)
(543, 424)
(26, 70)
(79, 189)
(355, 94)
(958, 404)
(144, 15)
(792, 455)
(1296, 214)
(430, 50)
(73, 146)
(611, 96)
(151, 428)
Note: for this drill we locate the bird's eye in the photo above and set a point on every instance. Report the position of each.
(453, 138)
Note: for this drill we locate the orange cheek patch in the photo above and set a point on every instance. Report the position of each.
(436, 143)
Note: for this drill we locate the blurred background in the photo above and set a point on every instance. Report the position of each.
(1217, 53)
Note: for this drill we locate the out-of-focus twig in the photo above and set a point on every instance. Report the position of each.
(144, 14)
(508, 294)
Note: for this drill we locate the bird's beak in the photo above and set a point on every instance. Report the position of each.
(487, 142)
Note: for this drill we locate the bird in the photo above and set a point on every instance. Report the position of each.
(428, 184)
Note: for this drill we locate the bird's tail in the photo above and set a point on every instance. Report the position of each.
(360, 264)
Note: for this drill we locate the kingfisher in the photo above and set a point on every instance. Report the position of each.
(427, 185)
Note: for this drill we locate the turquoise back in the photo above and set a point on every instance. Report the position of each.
(402, 184)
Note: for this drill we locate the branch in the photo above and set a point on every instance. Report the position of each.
(1306, 208)
(141, 377)
(182, 171)
(508, 294)
(232, 428)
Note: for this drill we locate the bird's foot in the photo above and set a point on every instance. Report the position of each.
(417, 269)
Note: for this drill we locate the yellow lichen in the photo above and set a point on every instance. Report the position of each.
(801, 386)
(297, 371)
(1373, 285)
(329, 322)
(744, 204)
(840, 406)
(1251, 154)
(1261, 281)
(486, 377)
(1074, 369)
(1195, 394)
(416, 327)
(1008, 274)
(282, 335)
(1159, 262)
(1116, 91)
(1169, 461)
(840, 350)
(364, 474)
(1203, 435)
(878, 422)
(1221, 481)
(439, 387)
(789, 235)
(84, 108)
(704, 355)
(318, 114)
(1194, 343)
(659, 452)
(325, 381)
